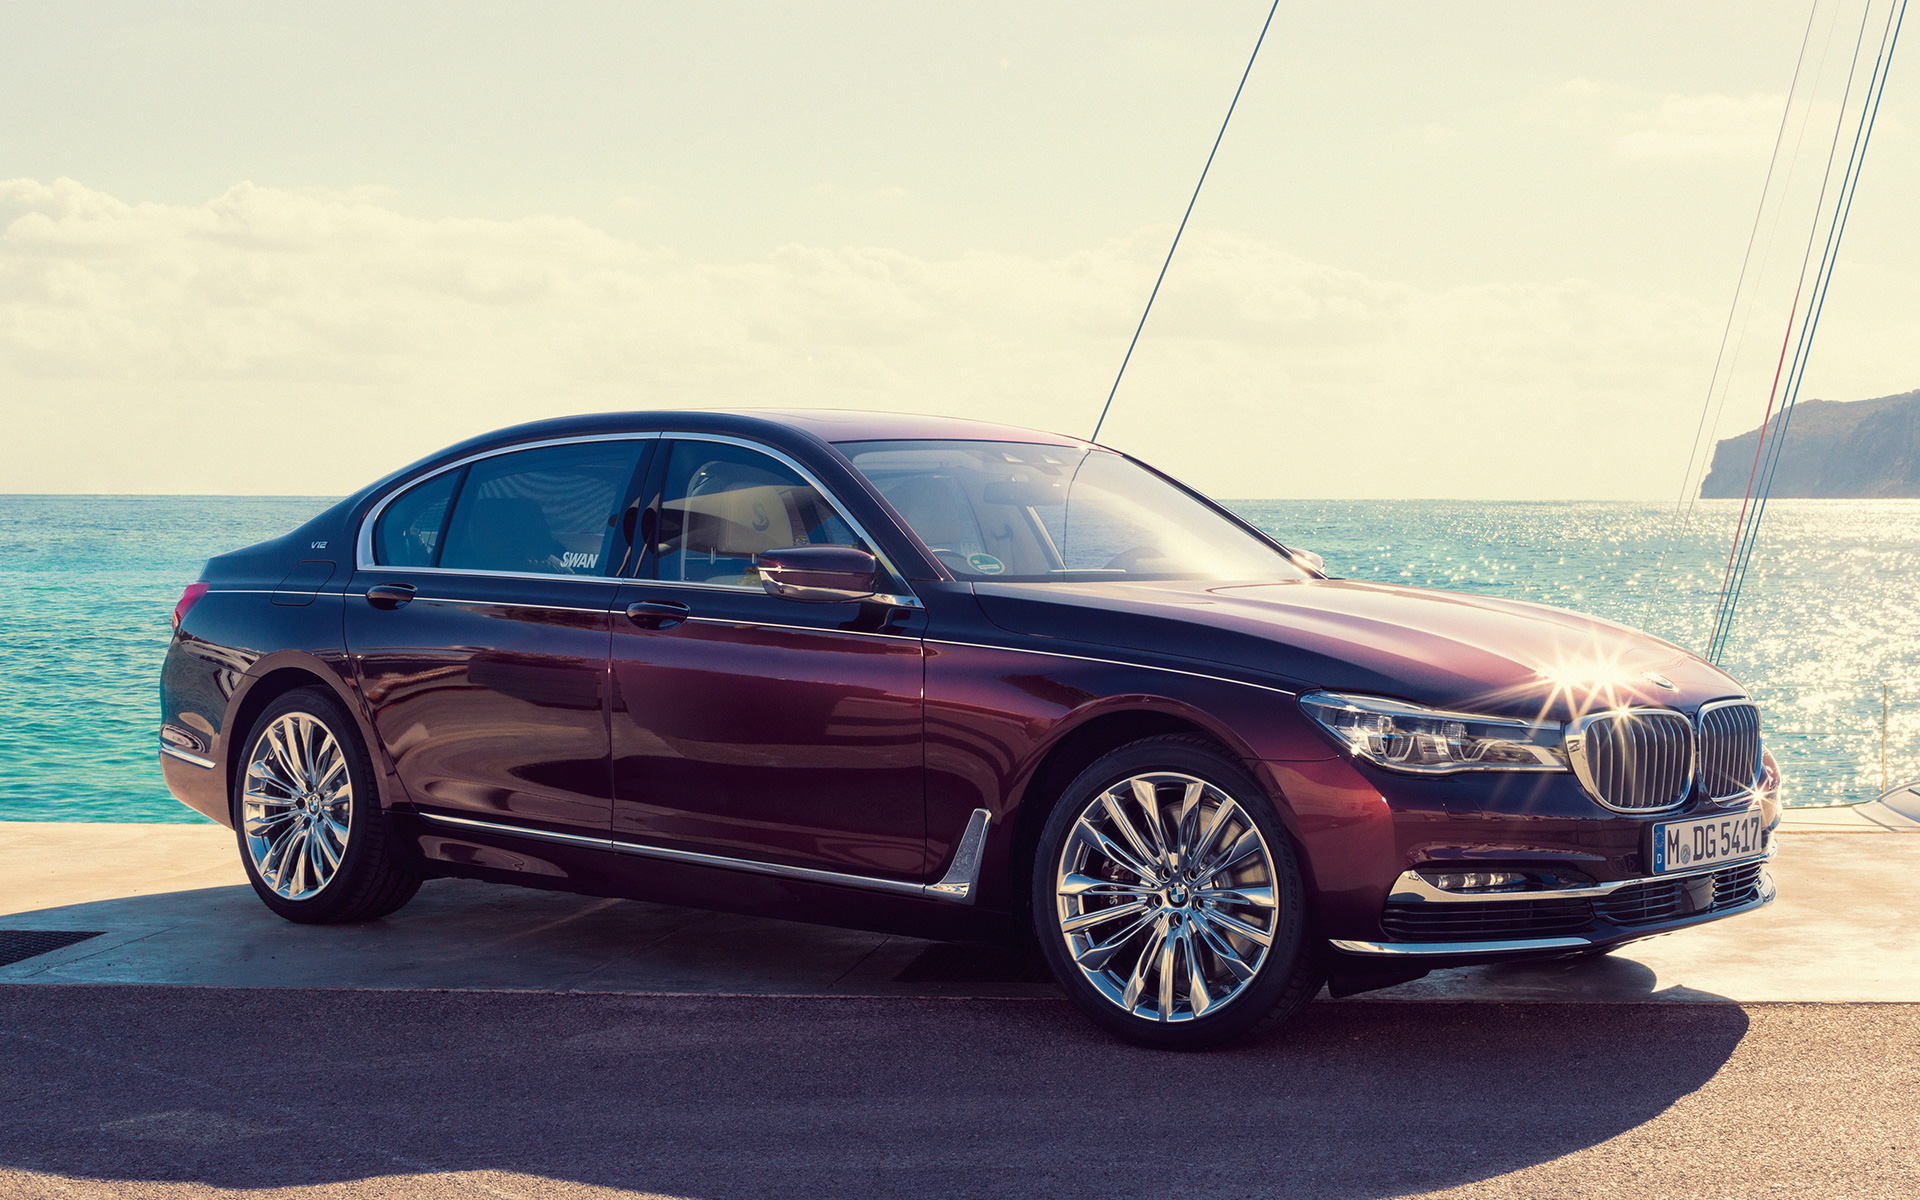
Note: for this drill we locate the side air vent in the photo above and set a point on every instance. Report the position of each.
(1634, 760)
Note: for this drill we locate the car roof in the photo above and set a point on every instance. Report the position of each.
(844, 425)
(820, 425)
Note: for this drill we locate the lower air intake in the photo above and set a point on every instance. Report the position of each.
(1493, 921)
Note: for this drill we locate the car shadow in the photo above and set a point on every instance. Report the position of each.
(1614, 977)
(754, 1096)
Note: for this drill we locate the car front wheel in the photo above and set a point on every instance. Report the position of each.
(1167, 899)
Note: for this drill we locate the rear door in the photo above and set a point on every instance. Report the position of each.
(478, 624)
(747, 726)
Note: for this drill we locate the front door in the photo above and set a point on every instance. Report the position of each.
(479, 634)
(751, 727)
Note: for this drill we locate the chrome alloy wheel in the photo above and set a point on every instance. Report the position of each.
(1165, 896)
(297, 805)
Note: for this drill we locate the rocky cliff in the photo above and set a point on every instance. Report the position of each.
(1834, 449)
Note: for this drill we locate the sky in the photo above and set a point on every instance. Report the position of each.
(1475, 250)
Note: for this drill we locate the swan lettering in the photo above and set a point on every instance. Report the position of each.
(579, 559)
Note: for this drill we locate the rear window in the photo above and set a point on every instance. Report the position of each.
(408, 531)
(546, 511)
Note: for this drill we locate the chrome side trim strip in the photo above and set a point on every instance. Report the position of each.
(780, 870)
(956, 886)
(1110, 662)
(964, 871)
(540, 835)
(1413, 886)
(175, 752)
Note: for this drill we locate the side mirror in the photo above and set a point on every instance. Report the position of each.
(822, 574)
(1312, 560)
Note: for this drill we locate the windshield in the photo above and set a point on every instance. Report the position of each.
(1028, 513)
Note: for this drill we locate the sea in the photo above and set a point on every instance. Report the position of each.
(1826, 637)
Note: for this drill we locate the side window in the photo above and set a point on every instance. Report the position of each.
(723, 504)
(408, 531)
(546, 511)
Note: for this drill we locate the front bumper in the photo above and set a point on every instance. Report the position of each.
(1444, 925)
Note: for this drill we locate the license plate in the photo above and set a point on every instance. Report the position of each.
(1690, 845)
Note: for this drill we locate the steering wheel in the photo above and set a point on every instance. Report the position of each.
(1128, 560)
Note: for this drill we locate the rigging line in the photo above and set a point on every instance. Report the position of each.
(1778, 139)
(1772, 438)
(1863, 136)
(1823, 279)
(1786, 340)
(1773, 233)
(1741, 549)
(1183, 222)
(1766, 259)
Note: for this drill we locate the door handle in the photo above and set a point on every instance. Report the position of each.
(658, 614)
(389, 595)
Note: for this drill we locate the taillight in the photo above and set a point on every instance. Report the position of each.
(187, 601)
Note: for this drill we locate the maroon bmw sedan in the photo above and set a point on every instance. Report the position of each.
(955, 680)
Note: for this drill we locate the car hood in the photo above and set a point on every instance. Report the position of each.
(1445, 649)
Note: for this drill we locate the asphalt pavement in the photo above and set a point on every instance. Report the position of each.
(192, 1092)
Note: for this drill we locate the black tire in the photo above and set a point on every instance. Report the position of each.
(1286, 976)
(368, 881)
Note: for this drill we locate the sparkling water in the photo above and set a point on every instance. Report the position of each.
(1829, 616)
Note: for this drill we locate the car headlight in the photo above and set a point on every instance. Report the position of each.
(1429, 741)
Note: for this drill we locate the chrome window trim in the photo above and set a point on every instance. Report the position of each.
(1576, 744)
(738, 590)
(363, 559)
(206, 764)
(909, 600)
(363, 540)
(459, 573)
(1413, 886)
(1111, 662)
(956, 886)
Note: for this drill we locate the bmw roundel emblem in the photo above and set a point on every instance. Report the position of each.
(1661, 680)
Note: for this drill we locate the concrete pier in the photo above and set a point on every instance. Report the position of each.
(501, 1042)
(172, 906)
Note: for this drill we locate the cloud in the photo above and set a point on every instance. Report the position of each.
(1629, 125)
(1695, 127)
(279, 341)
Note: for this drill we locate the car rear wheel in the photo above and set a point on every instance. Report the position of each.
(1167, 899)
(307, 814)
